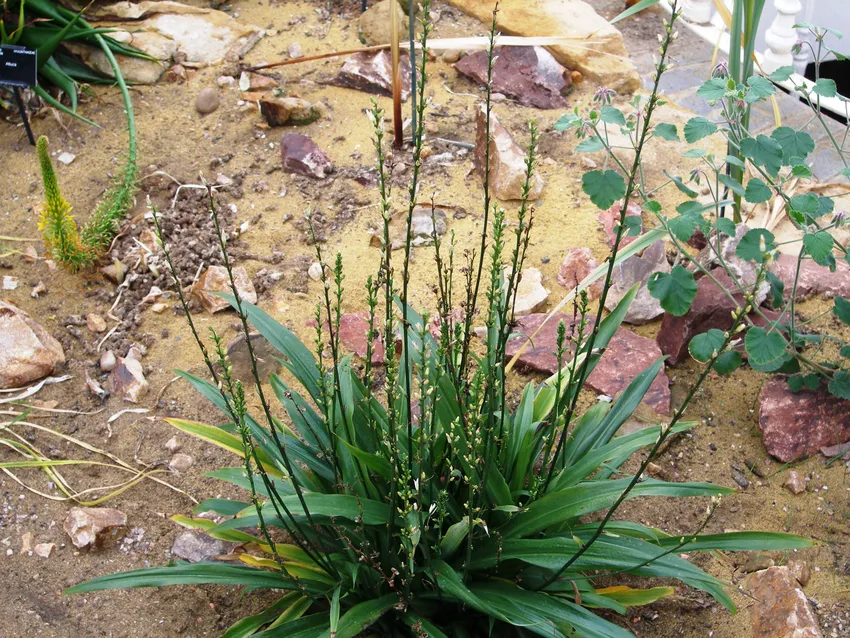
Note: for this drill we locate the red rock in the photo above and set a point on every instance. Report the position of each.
(638, 269)
(780, 608)
(300, 154)
(577, 265)
(372, 72)
(801, 571)
(611, 217)
(627, 355)
(507, 160)
(799, 424)
(530, 75)
(814, 279)
(88, 526)
(215, 279)
(27, 351)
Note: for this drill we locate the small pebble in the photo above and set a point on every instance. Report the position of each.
(66, 158)
(173, 445)
(794, 483)
(180, 462)
(107, 361)
(207, 101)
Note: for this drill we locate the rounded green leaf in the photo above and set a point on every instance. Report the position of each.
(705, 346)
(755, 244)
(840, 385)
(728, 362)
(697, 128)
(603, 187)
(818, 245)
(765, 349)
(763, 151)
(675, 290)
(757, 191)
(667, 132)
(794, 143)
(841, 309)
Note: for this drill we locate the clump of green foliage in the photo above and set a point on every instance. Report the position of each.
(428, 503)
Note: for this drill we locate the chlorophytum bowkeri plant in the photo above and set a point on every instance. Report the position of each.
(424, 501)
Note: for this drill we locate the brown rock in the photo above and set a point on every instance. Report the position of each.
(115, 272)
(611, 218)
(300, 154)
(90, 526)
(507, 160)
(373, 25)
(95, 322)
(127, 380)
(756, 561)
(638, 269)
(627, 356)
(372, 73)
(794, 483)
(215, 280)
(180, 462)
(530, 75)
(257, 81)
(801, 571)
(289, 111)
(264, 353)
(176, 74)
(814, 279)
(799, 424)
(173, 445)
(27, 351)
(780, 608)
(601, 57)
(577, 265)
(207, 101)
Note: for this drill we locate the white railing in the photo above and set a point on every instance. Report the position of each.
(701, 17)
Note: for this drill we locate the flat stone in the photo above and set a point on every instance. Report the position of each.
(799, 424)
(794, 483)
(207, 101)
(530, 294)
(299, 154)
(66, 158)
(633, 270)
(27, 351)
(257, 81)
(90, 526)
(596, 48)
(627, 356)
(814, 279)
(180, 462)
(353, 329)
(611, 217)
(507, 160)
(172, 445)
(288, 111)
(264, 353)
(779, 608)
(44, 550)
(372, 73)
(215, 279)
(195, 547)
(127, 380)
(529, 75)
(578, 264)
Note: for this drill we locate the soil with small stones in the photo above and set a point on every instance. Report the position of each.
(263, 213)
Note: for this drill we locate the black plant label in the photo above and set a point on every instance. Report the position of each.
(18, 66)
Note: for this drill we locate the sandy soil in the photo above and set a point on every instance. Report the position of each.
(176, 140)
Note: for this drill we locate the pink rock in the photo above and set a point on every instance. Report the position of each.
(779, 607)
(372, 72)
(611, 217)
(353, 329)
(215, 279)
(507, 160)
(799, 424)
(300, 154)
(89, 526)
(814, 279)
(577, 265)
(27, 351)
(530, 75)
(627, 356)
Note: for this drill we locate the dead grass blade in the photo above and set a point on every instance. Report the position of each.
(398, 122)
